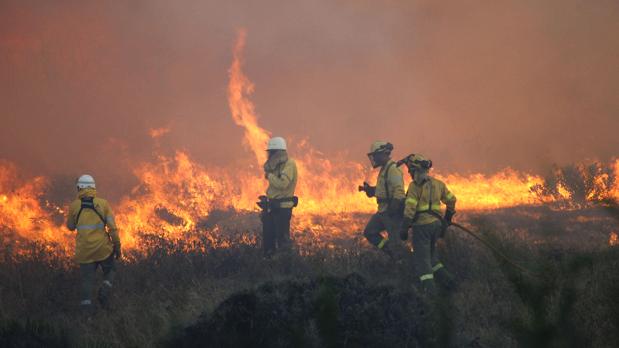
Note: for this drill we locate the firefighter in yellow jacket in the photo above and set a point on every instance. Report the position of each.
(277, 205)
(422, 211)
(389, 193)
(97, 242)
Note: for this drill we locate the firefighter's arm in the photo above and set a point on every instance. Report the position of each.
(283, 179)
(71, 218)
(110, 222)
(112, 229)
(410, 204)
(448, 198)
(410, 208)
(450, 201)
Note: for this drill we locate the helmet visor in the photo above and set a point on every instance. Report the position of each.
(372, 160)
(372, 157)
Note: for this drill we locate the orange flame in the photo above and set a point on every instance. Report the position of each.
(327, 187)
(22, 212)
(242, 109)
(176, 196)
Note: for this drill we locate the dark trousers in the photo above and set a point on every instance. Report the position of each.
(276, 230)
(382, 222)
(425, 255)
(88, 273)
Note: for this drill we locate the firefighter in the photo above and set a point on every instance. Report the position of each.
(389, 193)
(277, 205)
(422, 212)
(97, 242)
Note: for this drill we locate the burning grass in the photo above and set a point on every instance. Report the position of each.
(178, 200)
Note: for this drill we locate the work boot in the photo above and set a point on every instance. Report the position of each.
(104, 293)
(445, 279)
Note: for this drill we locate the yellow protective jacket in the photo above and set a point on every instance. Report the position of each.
(389, 178)
(419, 197)
(95, 239)
(282, 182)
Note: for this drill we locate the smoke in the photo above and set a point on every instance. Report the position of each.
(475, 87)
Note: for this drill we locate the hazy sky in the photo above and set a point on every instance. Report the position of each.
(475, 85)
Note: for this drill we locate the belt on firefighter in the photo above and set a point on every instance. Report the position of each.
(278, 201)
(430, 212)
(275, 203)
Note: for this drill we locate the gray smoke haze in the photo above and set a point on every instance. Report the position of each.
(476, 85)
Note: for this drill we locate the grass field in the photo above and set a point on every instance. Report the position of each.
(336, 292)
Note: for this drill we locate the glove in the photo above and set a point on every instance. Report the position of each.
(449, 214)
(370, 191)
(263, 202)
(117, 251)
(446, 222)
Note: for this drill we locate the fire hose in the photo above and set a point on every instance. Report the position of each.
(486, 243)
(494, 249)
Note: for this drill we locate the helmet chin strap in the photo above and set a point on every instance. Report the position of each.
(419, 176)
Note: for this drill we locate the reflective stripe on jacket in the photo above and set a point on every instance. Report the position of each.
(282, 182)
(92, 242)
(418, 200)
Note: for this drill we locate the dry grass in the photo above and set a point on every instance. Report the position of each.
(572, 303)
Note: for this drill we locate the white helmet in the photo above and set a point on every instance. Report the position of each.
(276, 143)
(85, 181)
